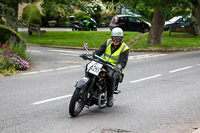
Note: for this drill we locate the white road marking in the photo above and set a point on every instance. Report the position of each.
(143, 79)
(52, 99)
(180, 69)
(34, 51)
(65, 51)
(68, 54)
(50, 70)
(145, 56)
(75, 66)
(62, 68)
(30, 73)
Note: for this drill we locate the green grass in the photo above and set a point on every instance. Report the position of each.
(177, 42)
(76, 39)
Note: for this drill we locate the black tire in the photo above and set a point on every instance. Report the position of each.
(94, 29)
(146, 30)
(77, 103)
(74, 29)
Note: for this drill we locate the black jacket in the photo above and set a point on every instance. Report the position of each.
(123, 59)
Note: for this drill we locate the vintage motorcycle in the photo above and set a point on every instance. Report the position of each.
(92, 89)
(86, 25)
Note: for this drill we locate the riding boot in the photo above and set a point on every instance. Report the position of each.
(110, 85)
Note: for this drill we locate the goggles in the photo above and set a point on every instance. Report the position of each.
(116, 38)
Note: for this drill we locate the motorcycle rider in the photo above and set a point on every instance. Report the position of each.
(115, 52)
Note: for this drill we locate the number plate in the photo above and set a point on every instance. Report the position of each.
(94, 68)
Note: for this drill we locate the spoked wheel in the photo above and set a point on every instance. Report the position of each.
(77, 103)
(102, 100)
(74, 28)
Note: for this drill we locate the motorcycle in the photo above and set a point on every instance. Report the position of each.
(86, 25)
(92, 89)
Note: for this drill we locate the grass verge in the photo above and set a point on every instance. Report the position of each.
(177, 42)
(135, 40)
(77, 38)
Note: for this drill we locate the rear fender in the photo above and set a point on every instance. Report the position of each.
(82, 83)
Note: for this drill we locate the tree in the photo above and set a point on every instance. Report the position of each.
(158, 22)
(196, 13)
(14, 4)
(162, 10)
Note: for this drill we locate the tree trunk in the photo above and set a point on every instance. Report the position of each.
(196, 14)
(15, 19)
(156, 31)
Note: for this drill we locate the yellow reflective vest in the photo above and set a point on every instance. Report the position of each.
(114, 58)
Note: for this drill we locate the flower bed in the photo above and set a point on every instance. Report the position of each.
(10, 61)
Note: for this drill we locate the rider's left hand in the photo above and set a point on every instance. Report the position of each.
(117, 68)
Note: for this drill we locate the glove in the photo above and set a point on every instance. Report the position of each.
(117, 68)
(84, 56)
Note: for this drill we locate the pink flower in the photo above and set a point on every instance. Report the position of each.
(10, 48)
(3, 46)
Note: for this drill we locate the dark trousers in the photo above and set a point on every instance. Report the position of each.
(110, 80)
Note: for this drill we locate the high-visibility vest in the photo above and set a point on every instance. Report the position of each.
(114, 58)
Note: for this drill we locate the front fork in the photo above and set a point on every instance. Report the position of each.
(83, 84)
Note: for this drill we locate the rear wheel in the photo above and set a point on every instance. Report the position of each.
(77, 103)
(94, 29)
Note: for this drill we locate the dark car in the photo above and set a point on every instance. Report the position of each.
(129, 23)
(178, 21)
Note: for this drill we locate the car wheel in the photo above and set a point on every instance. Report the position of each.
(146, 30)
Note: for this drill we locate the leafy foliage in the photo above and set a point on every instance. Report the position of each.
(7, 33)
(32, 14)
(12, 5)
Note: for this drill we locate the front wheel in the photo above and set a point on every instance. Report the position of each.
(145, 30)
(77, 103)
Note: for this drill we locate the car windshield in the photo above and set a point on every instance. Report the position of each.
(174, 19)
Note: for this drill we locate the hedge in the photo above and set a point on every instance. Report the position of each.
(8, 34)
(32, 14)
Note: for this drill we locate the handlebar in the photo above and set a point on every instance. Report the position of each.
(97, 59)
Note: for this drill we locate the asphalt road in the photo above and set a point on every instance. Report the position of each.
(160, 94)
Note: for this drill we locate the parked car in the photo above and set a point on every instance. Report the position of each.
(129, 23)
(178, 21)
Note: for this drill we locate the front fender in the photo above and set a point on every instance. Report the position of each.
(83, 82)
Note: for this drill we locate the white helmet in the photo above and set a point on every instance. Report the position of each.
(117, 32)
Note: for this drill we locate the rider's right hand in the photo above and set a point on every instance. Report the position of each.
(84, 56)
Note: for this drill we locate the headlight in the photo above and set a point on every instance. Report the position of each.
(103, 74)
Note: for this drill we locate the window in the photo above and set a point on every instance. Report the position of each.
(131, 19)
(137, 20)
(123, 19)
(134, 20)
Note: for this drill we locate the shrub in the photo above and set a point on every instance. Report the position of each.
(80, 16)
(7, 33)
(94, 9)
(32, 14)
